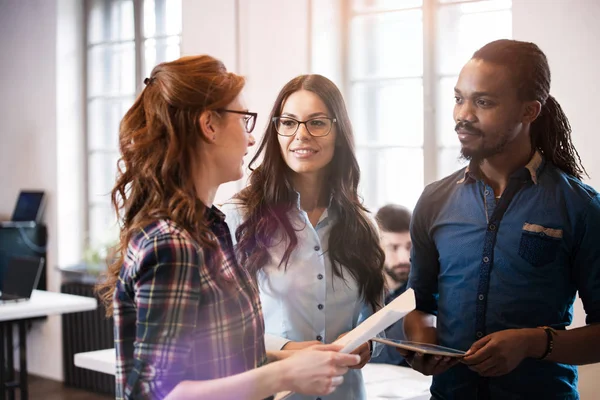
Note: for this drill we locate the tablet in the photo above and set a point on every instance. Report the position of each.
(423, 348)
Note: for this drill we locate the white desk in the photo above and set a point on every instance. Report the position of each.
(101, 360)
(41, 304)
(382, 381)
(390, 382)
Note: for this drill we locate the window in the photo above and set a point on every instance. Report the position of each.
(462, 28)
(400, 60)
(125, 40)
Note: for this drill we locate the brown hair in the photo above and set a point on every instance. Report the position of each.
(158, 138)
(353, 242)
(393, 218)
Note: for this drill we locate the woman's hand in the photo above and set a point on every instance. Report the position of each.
(364, 351)
(317, 370)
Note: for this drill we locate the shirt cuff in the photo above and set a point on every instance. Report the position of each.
(274, 343)
(426, 304)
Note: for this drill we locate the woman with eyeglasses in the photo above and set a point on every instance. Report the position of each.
(188, 320)
(302, 230)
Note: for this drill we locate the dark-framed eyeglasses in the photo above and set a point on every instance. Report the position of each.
(249, 119)
(318, 127)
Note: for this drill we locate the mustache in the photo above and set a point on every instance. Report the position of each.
(465, 125)
(403, 265)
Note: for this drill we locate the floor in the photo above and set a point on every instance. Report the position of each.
(45, 389)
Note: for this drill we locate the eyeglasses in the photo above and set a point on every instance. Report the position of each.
(249, 120)
(288, 126)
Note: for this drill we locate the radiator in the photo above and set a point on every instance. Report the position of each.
(86, 331)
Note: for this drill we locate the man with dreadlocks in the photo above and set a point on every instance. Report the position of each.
(501, 247)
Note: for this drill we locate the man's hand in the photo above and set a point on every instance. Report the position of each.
(428, 364)
(501, 352)
(364, 351)
(421, 327)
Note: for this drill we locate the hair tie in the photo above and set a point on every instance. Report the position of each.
(148, 81)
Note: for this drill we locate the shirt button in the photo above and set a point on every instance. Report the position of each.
(320, 306)
(487, 192)
(481, 297)
(320, 276)
(492, 227)
(319, 338)
(486, 259)
(317, 248)
(479, 335)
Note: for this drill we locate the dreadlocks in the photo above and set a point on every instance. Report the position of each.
(551, 131)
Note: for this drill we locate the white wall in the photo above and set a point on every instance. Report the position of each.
(28, 140)
(569, 33)
(41, 109)
(28, 101)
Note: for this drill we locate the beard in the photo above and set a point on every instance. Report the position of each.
(398, 273)
(478, 155)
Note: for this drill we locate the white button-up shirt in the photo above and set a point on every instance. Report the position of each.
(306, 301)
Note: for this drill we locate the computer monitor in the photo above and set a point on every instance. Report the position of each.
(20, 278)
(17, 239)
(29, 207)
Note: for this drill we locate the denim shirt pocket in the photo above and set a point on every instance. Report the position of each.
(539, 245)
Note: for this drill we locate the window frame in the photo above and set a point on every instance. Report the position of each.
(432, 146)
(139, 39)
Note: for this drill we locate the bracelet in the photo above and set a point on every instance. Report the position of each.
(550, 341)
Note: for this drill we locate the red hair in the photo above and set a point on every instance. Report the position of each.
(158, 137)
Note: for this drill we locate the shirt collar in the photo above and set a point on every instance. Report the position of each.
(214, 215)
(298, 200)
(534, 166)
(329, 211)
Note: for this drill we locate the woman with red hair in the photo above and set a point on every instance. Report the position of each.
(188, 319)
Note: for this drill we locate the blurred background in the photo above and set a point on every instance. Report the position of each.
(71, 68)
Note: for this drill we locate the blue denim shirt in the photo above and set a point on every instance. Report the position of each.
(480, 273)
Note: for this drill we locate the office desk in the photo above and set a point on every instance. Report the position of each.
(41, 304)
(100, 361)
(382, 381)
(391, 382)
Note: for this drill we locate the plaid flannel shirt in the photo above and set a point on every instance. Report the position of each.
(173, 322)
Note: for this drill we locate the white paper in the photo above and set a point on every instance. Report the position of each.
(376, 323)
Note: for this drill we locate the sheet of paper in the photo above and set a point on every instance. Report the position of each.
(376, 323)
